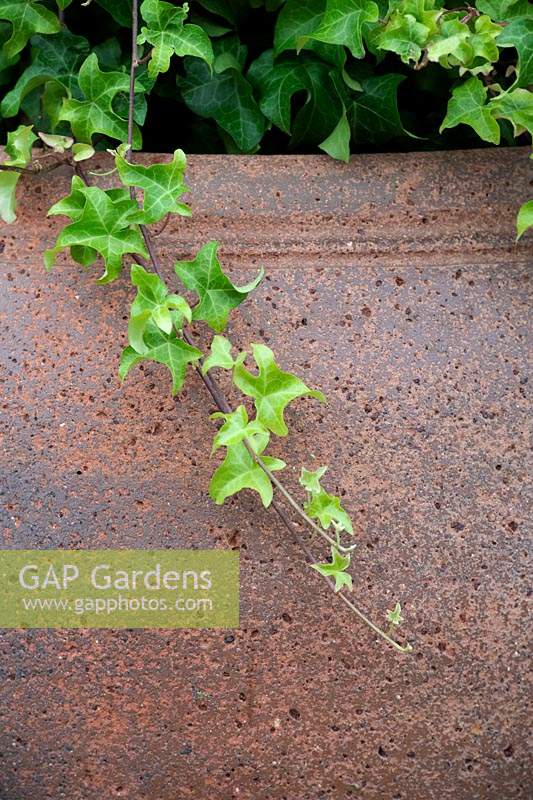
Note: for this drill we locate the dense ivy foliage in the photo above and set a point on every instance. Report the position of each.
(272, 75)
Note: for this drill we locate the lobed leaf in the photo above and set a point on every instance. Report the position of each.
(163, 348)
(343, 23)
(236, 428)
(27, 17)
(220, 355)
(240, 471)
(18, 148)
(217, 295)
(272, 389)
(162, 185)
(327, 509)
(102, 221)
(336, 569)
(95, 113)
(57, 58)
(468, 106)
(168, 35)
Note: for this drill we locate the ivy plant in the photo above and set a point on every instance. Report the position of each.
(334, 75)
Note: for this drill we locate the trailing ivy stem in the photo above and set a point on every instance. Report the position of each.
(311, 558)
(292, 502)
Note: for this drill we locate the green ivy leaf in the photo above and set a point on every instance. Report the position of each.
(296, 22)
(524, 219)
(337, 144)
(336, 569)
(519, 34)
(395, 616)
(235, 428)
(504, 9)
(81, 152)
(18, 148)
(516, 105)
(162, 185)
(272, 389)
(95, 114)
(57, 143)
(327, 509)
(19, 144)
(153, 305)
(277, 83)
(57, 58)
(168, 35)
(408, 28)
(163, 348)
(225, 96)
(239, 471)
(102, 222)
(374, 116)
(451, 40)
(220, 355)
(216, 293)
(343, 23)
(467, 106)
(310, 479)
(26, 17)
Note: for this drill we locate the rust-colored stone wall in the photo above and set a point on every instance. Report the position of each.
(394, 284)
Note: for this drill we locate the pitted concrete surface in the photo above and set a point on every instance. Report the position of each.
(394, 284)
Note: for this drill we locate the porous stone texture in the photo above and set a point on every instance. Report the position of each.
(393, 284)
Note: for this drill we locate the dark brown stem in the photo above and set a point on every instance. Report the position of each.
(35, 168)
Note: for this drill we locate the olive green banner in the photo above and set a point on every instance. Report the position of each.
(119, 589)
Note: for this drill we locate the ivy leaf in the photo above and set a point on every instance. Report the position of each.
(310, 479)
(58, 143)
(404, 36)
(81, 152)
(272, 389)
(165, 349)
(278, 82)
(26, 17)
(450, 41)
(239, 471)
(220, 355)
(95, 114)
(57, 58)
(516, 105)
(162, 185)
(103, 224)
(225, 96)
(216, 293)
(19, 144)
(409, 26)
(168, 35)
(327, 509)
(337, 144)
(296, 21)
(467, 106)
(504, 9)
(18, 147)
(524, 219)
(374, 115)
(343, 22)
(235, 428)
(519, 34)
(395, 616)
(336, 569)
(153, 305)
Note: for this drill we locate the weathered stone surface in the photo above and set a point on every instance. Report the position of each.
(394, 284)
